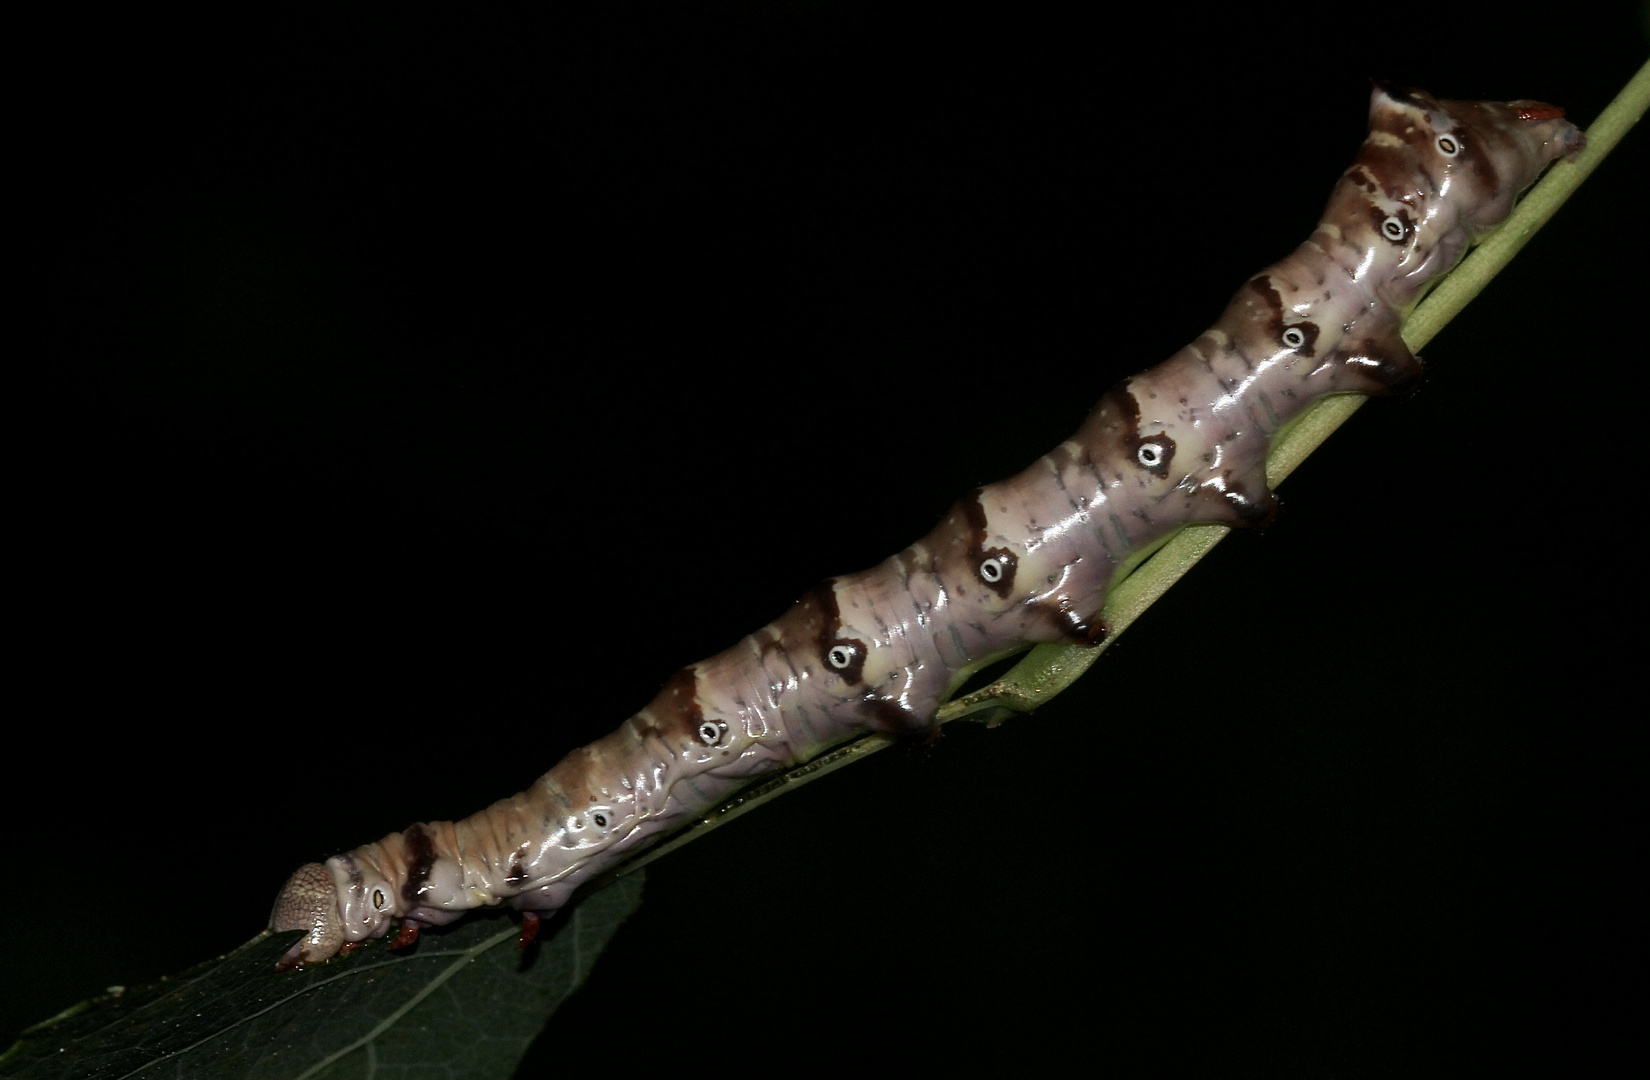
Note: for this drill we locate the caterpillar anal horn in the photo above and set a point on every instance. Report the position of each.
(1536, 110)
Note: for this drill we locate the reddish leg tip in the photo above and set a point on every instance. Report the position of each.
(529, 928)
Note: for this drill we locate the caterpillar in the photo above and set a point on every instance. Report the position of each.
(1028, 559)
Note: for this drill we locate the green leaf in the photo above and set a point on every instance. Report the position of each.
(461, 1003)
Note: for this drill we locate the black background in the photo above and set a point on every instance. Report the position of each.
(421, 389)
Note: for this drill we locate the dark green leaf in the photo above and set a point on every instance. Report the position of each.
(461, 1003)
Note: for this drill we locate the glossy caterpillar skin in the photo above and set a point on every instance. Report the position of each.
(1028, 559)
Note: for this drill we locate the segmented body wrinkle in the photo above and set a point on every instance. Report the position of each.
(1028, 559)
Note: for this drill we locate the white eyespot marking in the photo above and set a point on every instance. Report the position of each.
(1394, 229)
(710, 733)
(992, 570)
(1149, 455)
(840, 657)
(379, 900)
(1448, 145)
(1294, 337)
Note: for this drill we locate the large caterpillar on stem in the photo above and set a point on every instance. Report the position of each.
(1024, 560)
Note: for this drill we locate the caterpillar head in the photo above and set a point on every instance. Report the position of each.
(308, 902)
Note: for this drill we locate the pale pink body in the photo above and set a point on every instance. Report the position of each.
(1027, 559)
